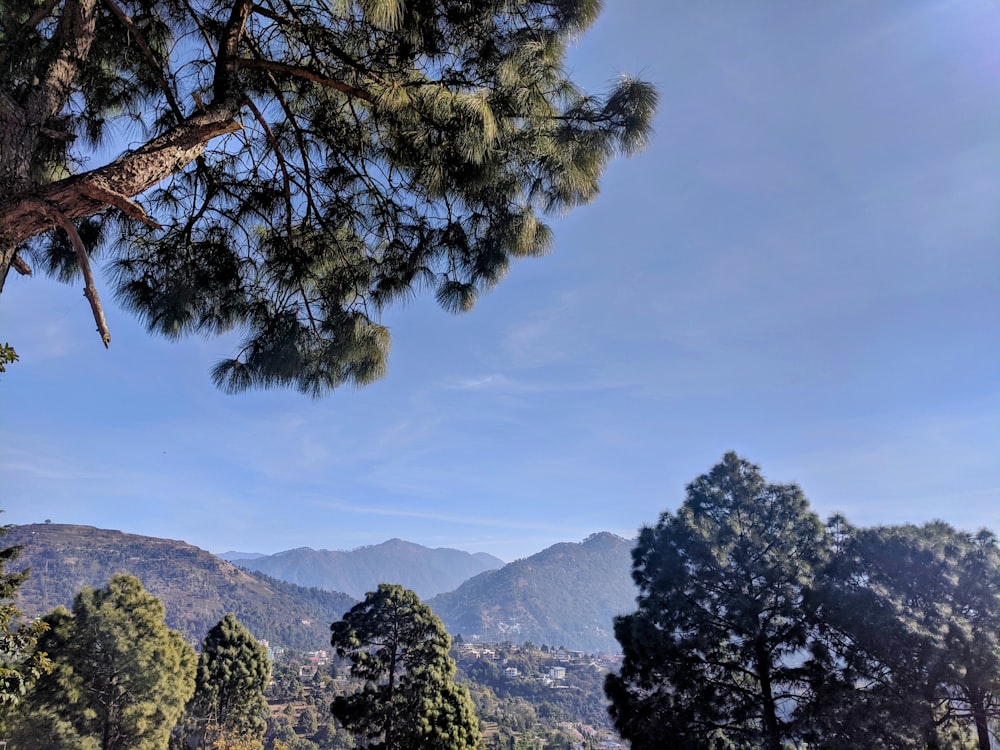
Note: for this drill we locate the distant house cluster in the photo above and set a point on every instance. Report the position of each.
(313, 661)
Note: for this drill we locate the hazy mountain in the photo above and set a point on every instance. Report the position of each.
(233, 556)
(566, 595)
(424, 570)
(196, 587)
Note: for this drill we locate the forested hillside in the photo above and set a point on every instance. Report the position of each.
(421, 569)
(566, 595)
(196, 587)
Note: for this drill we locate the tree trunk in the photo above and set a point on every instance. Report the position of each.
(980, 716)
(772, 730)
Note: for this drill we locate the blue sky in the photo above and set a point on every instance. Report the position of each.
(803, 267)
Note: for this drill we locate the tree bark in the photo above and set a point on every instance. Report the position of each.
(23, 214)
(22, 121)
(134, 172)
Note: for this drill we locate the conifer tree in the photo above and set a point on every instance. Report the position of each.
(409, 700)
(912, 616)
(296, 166)
(21, 663)
(228, 706)
(712, 654)
(120, 676)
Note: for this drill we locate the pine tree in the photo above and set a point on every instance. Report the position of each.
(120, 676)
(912, 615)
(409, 700)
(300, 165)
(228, 706)
(711, 654)
(21, 663)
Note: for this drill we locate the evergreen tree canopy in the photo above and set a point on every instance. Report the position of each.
(711, 653)
(409, 700)
(295, 166)
(228, 703)
(120, 676)
(912, 615)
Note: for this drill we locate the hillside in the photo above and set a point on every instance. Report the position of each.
(426, 571)
(566, 595)
(196, 587)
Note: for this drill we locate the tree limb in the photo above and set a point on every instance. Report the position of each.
(19, 265)
(228, 47)
(305, 74)
(130, 174)
(101, 192)
(156, 64)
(90, 288)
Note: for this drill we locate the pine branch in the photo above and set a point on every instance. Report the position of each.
(156, 64)
(130, 174)
(90, 288)
(294, 71)
(97, 190)
(41, 13)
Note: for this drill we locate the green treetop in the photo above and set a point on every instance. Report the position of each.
(228, 703)
(120, 679)
(409, 700)
(710, 655)
(297, 165)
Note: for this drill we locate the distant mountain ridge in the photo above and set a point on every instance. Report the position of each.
(565, 595)
(196, 587)
(234, 556)
(424, 570)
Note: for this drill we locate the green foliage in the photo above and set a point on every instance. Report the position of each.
(758, 628)
(228, 705)
(912, 614)
(408, 700)
(121, 677)
(21, 663)
(723, 615)
(357, 152)
(7, 356)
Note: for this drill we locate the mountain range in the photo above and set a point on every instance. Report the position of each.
(566, 595)
(423, 570)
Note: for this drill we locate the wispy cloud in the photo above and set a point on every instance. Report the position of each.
(443, 517)
(483, 383)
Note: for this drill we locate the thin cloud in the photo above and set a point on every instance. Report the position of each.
(467, 520)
